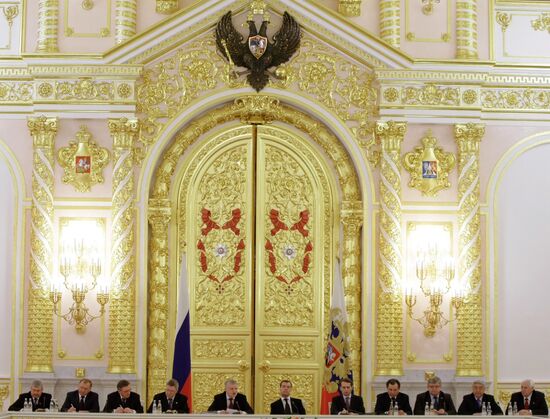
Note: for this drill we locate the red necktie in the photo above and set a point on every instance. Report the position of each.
(526, 404)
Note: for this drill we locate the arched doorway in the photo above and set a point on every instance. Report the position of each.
(256, 210)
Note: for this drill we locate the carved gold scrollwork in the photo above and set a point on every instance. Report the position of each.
(350, 7)
(504, 20)
(284, 349)
(166, 7)
(469, 340)
(429, 166)
(218, 349)
(83, 161)
(4, 393)
(542, 23)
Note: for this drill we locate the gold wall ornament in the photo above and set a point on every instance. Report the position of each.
(86, 90)
(390, 22)
(87, 4)
(161, 192)
(389, 312)
(4, 393)
(429, 166)
(428, 6)
(166, 7)
(39, 316)
(83, 161)
(122, 307)
(542, 23)
(125, 20)
(350, 8)
(504, 19)
(469, 341)
(431, 94)
(16, 91)
(466, 29)
(48, 26)
(339, 84)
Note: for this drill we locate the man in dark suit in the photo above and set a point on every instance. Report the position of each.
(287, 405)
(347, 403)
(170, 400)
(439, 403)
(386, 402)
(529, 401)
(472, 403)
(124, 400)
(230, 400)
(81, 400)
(39, 400)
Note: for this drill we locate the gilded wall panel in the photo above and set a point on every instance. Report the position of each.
(87, 19)
(294, 350)
(218, 349)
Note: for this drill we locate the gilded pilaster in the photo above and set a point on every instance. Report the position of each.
(390, 22)
(48, 25)
(389, 312)
(157, 327)
(167, 7)
(125, 20)
(350, 7)
(40, 320)
(469, 341)
(122, 307)
(466, 29)
(351, 217)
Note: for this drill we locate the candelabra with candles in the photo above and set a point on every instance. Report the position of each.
(80, 267)
(436, 274)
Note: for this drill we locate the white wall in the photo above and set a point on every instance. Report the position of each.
(522, 233)
(7, 260)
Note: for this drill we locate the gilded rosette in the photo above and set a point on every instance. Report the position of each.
(389, 331)
(466, 29)
(48, 25)
(40, 323)
(122, 306)
(470, 325)
(125, 20)
(390, 22)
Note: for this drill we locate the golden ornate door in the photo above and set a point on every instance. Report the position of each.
(256, 213)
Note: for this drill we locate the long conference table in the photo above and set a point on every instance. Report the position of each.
(66, 415)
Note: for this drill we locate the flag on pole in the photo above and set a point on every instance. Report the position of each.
(182, 346)
(337, 357)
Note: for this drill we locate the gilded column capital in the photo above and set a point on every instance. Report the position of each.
(43, 131)
(390, 135)
(124, 132)
(468, 136)
(159, 213)
(351, 214)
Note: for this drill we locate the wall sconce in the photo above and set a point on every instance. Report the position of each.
(428, 6)
(81, 253)
(434, 273)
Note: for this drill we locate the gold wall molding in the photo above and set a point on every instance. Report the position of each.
(469, 339)
(239, 110)
(350, 8)
(166, 7)
(123, 285)
(83, 161)
(389, 311)
(10, 12)
(289, 349)
(390, 22)
(466, 29)
(503, 19)
(40, 308)
(218, 349)
(429, 151)
(87, 5)
(48, 26)
(125, 20)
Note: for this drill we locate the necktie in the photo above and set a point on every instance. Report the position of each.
(170, 401)
(287, 408)
(123, 402)
(478, 403)
(392, 401)
(35, 401)
(436, 403)
(82, 405)
(526, 404)
(347, 403)
(230, 406)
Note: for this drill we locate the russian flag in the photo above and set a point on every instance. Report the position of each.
(182, 346)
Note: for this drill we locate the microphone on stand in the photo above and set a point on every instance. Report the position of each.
(296, 410)
(237, 406)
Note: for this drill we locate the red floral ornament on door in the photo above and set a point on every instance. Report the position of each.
(289, 251)
(220, 271)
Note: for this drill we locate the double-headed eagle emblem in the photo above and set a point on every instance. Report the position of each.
(257, 53)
